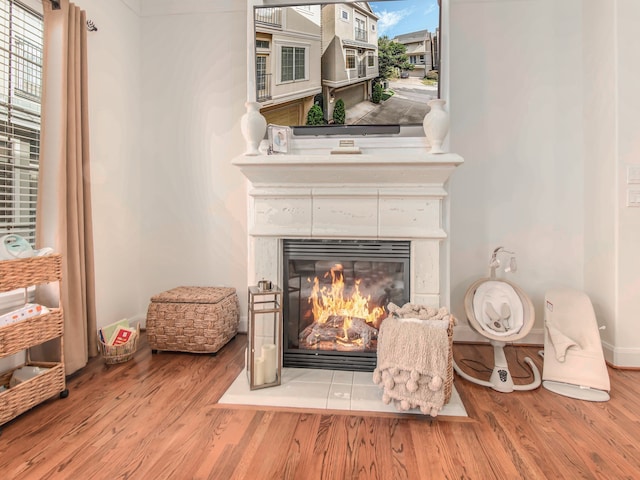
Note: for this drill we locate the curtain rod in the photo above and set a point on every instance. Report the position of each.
(90, 25)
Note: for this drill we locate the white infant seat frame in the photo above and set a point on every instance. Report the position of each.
(501, 379)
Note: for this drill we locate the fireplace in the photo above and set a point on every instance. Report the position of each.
(393, 193)
(335, 298)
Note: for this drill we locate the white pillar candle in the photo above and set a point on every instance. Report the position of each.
(258, 371)
(269, 355)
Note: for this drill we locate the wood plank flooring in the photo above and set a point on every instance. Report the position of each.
(156, 417)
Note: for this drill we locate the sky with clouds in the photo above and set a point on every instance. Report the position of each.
(405, 16)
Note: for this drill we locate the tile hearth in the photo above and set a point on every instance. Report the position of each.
(324, 390)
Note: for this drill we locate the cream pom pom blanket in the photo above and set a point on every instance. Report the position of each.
(413, 361)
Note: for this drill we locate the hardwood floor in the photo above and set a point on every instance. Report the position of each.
(156, 417)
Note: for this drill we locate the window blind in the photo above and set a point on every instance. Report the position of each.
(20, 90)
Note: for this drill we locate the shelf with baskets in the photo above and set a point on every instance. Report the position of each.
(25, 334)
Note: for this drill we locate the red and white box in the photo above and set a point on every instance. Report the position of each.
(28, 311)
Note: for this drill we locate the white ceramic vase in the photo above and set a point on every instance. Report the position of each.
(436, 124)
(253, 126)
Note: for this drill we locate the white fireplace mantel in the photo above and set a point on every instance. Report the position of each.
(401, 162)
(393, 190)
(372, 170)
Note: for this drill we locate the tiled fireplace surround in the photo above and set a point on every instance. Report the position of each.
(394, 190)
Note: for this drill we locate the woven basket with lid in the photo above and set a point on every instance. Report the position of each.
(193, 319)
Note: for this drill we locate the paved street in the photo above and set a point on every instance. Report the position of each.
(408, 105)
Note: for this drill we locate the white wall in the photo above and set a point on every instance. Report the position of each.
(527, 99)
(193, 223)
(115, 85)
(612, 263)
(600, 162)
(167, 89)
(517, 119)
(627, 334)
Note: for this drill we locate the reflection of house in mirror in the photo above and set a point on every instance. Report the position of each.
(349, 53)
(423, 51)
(288, 76)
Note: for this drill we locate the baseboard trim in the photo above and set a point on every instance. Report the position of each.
(616, 357)
(620, 357)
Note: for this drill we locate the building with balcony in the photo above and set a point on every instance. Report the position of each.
(349, 53)
(288, 49)
(423, 50)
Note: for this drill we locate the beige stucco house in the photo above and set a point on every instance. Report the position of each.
(422, 50)
(288, 43)
(349, 53)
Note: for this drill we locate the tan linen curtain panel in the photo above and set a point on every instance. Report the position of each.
(64, 197)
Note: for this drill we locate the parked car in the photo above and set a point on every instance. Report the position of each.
(404, 74)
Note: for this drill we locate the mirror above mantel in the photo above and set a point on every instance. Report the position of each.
(283, 84)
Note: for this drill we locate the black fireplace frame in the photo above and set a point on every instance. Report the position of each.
(397, 251)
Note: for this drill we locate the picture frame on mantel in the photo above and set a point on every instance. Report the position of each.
(279, 138)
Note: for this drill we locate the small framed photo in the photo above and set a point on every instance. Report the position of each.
(279, 137)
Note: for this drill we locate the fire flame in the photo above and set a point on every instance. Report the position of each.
(328, 302)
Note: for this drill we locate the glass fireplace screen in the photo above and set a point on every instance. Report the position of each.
(336, 293)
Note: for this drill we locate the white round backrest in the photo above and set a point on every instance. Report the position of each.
(499, 309)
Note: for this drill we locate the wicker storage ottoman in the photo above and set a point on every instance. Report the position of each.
(193, 319)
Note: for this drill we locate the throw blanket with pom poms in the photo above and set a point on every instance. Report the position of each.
(413, 356)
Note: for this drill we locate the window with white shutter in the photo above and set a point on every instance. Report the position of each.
(20, 90)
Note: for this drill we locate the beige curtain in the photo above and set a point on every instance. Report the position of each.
(64, 199)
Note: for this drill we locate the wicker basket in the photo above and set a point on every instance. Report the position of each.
(21, 335)
(193, 319)
(448, 382)
(113, 354)
(31, 331)
(30, 271)
(28, 394)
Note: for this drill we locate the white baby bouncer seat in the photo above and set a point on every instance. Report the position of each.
(502, 312)
(574, 364)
